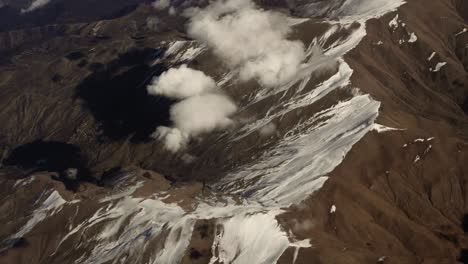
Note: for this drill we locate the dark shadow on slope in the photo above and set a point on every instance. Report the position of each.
(75, 55)
(117, 97)
(113, 177)
(464, 106)
(13, 243)
(64, 11)
(462, 8)
(463, 257)
(465, 223)
(51, 156)
(195, 254)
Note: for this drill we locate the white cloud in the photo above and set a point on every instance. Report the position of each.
(173, 138)
(304, 225)
(268, 130)
(202, 108)
(195, 116)
(201, 114)
(249, 39)
(35, 5)
(182, 82)
(152, 23)
(172, 11)
(161, 4)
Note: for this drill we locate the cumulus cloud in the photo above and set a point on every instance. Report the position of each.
(174, 139)
(303, 226)
(161, 4)
(181, 82)
(152, 23)
(252, 40)
(202, 107)
(172, 11)
(268, 130)
(204, 113)
(35, 5)
(166, 4)
(194, 116)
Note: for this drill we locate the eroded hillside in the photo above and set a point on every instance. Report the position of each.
(346, 141)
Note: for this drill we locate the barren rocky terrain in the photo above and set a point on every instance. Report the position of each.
(347, 141)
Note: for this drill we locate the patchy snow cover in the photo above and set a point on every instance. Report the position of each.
(285, 174)
(363, 10)
(423, 139)
(333, 209)
(238, 240)
(181, 51)
(52, 205)
(431, 56)
(24, 182)
(420, 140)
(175, 47)
(299, 164)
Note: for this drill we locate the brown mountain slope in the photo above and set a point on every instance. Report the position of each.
(397, 198)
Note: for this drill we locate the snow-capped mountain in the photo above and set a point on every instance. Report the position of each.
(234, 131)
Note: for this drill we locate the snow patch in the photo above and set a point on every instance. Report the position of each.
(180, 51)
(381, 128)
(247, 239)
(52, 205)
(438, 67)
(393, 24)
(427, 149)
(432, 56)
(461, 32)
(413, 38)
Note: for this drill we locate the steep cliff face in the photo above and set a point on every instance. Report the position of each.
(358, 157)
